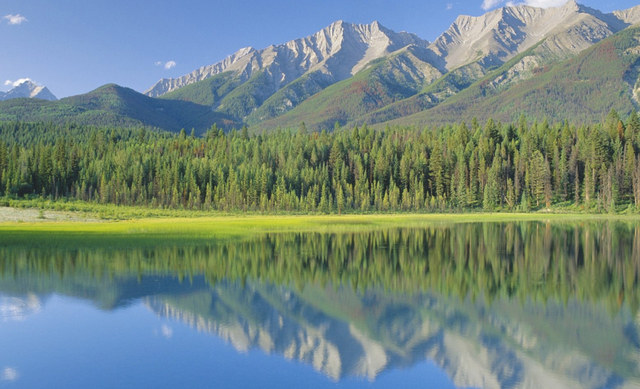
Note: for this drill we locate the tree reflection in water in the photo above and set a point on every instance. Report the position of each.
(496, 305)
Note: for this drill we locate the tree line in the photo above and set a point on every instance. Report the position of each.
(492, 166)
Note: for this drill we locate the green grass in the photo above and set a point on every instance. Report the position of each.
(199, 228)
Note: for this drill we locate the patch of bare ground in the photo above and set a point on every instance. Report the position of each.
(34, 215)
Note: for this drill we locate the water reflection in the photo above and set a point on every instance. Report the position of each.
(9, 374)
(18, 308)
(503, 345)
(496, 305)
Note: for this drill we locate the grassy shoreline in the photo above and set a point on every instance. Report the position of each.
(182, 229)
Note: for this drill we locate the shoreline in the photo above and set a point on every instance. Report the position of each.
(69, 232)
(33, 218)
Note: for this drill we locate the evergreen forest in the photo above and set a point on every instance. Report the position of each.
(493, 166)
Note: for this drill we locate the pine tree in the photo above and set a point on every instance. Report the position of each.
(436, 170)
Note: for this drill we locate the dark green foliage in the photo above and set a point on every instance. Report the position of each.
(496, 167)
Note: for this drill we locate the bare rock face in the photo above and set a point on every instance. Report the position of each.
(497, 36)
(30, 90)
(338, 52)
(630, 16)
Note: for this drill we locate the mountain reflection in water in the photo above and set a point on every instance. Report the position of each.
(495, 305)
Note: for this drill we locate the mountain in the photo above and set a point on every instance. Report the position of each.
(383, 82)
(258, 85)
(494, 38)
(512, 45)
(338, 51)
(629, 16)
(255, 85)
(350, 73)
(29, 90)
(603, 77)
(113, 105)
(508, 62)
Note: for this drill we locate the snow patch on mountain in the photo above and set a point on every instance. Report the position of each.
(27, 88)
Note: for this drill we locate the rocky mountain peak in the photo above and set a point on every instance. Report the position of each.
(572, 5)
(497, 36)
(28, 89)
(338, 51)
(630, 16)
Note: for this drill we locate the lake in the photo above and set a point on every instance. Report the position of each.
(522, 304)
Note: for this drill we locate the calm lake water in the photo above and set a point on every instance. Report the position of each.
(482, 305)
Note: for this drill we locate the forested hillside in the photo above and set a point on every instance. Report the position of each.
(113, 105)
(492, 167)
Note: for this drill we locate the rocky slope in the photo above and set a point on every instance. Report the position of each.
(630, 16)
(585, 88)
(498, 36)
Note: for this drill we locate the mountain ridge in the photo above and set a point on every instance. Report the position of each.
(321, 51)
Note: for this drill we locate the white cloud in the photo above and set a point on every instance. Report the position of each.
(449, 6)
(14, 19)
(545, 3)
(489, 4)
(167, 65)
(17, 82)
(10, 374)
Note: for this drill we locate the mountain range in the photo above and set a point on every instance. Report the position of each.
(568, 61)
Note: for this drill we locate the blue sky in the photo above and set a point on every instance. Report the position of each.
(74, 46)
